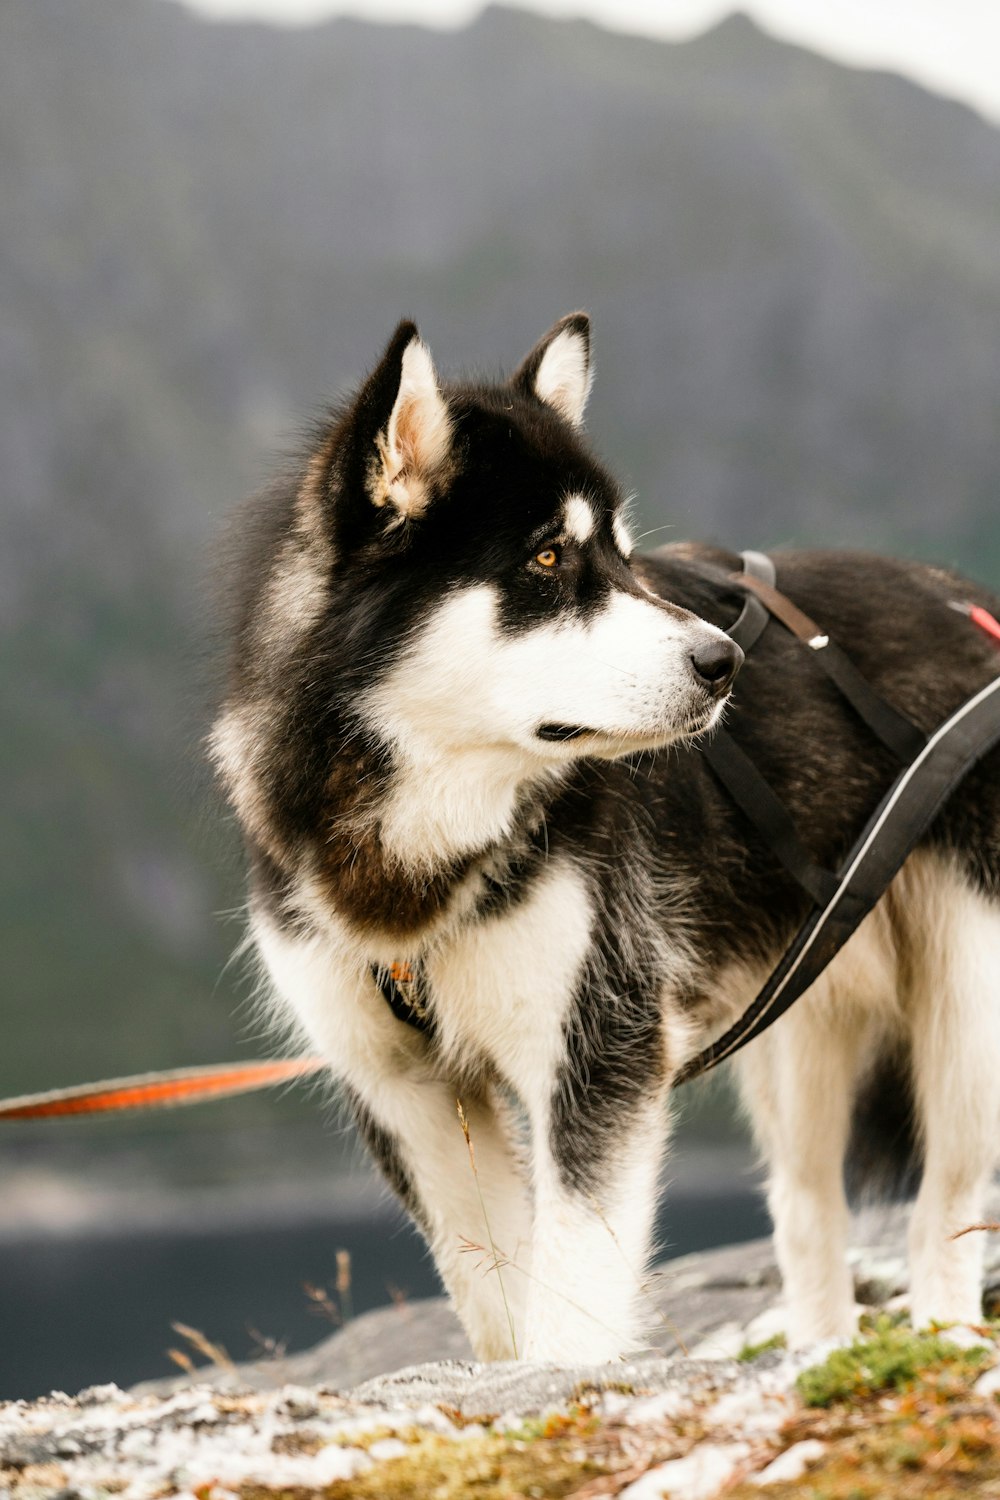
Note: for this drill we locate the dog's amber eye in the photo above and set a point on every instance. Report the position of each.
(548, 557)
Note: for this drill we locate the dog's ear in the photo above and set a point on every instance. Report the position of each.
(558, 369)
(402, 423)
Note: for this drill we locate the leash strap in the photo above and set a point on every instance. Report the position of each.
(166, 1090)
(895, 828)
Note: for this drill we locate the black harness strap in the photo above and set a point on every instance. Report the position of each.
(737, 772)
(747, 629)
(896, 827)
(769, 815)
(897, 732)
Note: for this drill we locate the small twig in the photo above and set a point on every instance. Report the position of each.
(496, 1258)
(343, 1285)
(322, 1303)
(268, 1348)
(398, 1296)
(214, 1353)
(989, 1226)
(468, 1246)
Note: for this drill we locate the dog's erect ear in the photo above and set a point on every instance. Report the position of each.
(403, 415)
(558, 370)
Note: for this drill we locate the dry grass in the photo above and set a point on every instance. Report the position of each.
(214, 1353)
(497, 1260)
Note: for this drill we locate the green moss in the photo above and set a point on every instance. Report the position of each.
(890, 1357)
(751, 1351)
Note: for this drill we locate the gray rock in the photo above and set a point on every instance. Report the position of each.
(495, 1390)
(689, 1299)
(304, 1422)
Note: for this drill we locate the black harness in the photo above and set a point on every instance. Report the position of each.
(932, 767)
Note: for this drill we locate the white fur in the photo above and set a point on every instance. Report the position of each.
(585, 1299)
(296, 596)
(564, 374)
(335, 1003)
(923, 965)
(506, 986)
(954, 1015)
(622, 535)
(502, 991)
(463, 706)
(488, 977)
(579, 518)
(238, 747)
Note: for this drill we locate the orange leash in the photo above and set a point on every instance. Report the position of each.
(167, 1090)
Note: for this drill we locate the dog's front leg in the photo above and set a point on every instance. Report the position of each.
(406, 1111)
(471, 1207)
(596, 1160)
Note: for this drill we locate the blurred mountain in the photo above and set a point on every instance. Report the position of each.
(794, 270)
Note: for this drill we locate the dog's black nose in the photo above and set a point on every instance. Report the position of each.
(716, 663)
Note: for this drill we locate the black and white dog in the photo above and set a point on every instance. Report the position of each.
(460, 736)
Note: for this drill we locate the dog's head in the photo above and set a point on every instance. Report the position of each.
(444, 608)
(479, 566)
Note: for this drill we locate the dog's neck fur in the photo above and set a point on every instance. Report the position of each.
(398, 846)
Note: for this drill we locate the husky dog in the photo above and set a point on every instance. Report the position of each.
(460, 738)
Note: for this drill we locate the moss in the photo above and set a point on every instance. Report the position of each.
(589, 1390)
(302, 1441)
(926, 1436)
(498, 1466)
(751, 1351)
(890, 1357)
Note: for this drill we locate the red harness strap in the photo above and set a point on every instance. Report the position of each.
(979, 616)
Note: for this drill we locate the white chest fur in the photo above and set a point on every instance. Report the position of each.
(502, 987)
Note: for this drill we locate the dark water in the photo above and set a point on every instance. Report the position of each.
(84, 1310)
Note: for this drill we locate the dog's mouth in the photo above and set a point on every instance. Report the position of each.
(562, 732)
(623, 740)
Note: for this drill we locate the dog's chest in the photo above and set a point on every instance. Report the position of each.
(502, 986)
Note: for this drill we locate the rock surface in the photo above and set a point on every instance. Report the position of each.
(344, 1419)
(709, 1304)
(214, 1444)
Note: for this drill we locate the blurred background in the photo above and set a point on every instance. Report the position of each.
(210, 221)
